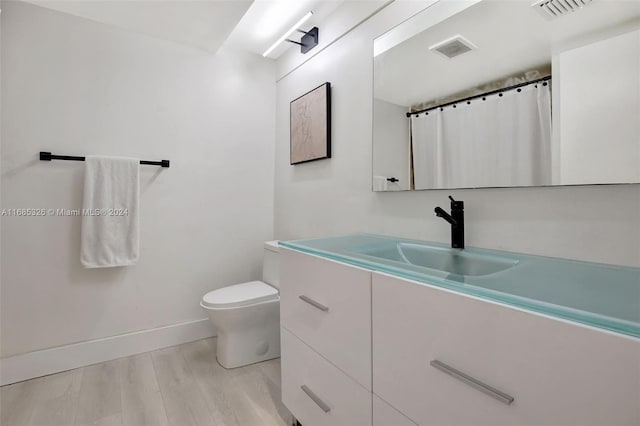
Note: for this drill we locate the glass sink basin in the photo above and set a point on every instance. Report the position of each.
(605, 296)
(452, 261)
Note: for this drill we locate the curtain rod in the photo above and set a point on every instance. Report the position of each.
(493, 92)
(47, 156)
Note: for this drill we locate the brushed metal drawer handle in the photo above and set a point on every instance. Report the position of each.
(314, 303)
(315, 398)
(477, 384)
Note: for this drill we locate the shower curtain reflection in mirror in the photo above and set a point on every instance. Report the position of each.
(500, 140)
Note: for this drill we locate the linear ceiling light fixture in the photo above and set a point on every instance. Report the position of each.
(309, 39)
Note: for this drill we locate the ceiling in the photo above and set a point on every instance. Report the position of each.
(247, 25)
(203, 24)
(511, 38)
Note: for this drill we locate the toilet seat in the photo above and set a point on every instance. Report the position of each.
(240, 295)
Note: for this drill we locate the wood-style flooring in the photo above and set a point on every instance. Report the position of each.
(177, 386)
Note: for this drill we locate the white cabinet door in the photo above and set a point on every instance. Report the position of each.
(386, 415)
(316, 392)
(559, 373)
(328, 305)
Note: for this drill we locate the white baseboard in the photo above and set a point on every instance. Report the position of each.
(48, 361)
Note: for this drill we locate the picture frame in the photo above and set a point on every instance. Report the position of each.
(310, 126)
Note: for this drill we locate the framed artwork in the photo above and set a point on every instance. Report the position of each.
(310, 125)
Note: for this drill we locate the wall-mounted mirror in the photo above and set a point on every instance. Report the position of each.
(509, 93)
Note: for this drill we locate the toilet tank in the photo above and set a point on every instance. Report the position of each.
(271, 264)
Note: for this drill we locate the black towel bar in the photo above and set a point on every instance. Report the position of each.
(47, 156)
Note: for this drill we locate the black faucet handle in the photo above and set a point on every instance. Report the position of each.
(456, 205)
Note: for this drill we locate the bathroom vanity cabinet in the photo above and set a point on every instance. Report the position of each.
(326, 340)
(558, 373)
(361, 347)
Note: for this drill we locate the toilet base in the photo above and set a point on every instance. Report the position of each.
(237, 352)
(247, 334)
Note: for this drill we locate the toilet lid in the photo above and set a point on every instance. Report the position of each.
(240, 295)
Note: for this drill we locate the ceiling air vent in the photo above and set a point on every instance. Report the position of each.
(452, 47)
(554, 8)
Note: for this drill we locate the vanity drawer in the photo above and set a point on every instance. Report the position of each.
(386, 415)
(328, 305)
(558, 373)
(316, 392)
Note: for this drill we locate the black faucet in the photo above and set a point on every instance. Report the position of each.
(456, 219)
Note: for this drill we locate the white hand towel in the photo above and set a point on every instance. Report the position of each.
(110, 235)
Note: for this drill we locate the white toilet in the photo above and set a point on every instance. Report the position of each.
(247, 316)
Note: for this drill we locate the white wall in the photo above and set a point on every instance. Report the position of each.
(331, 197)
(600, 123)
(73, 86)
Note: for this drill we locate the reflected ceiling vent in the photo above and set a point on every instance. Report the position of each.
(452, 47)
(555, 8)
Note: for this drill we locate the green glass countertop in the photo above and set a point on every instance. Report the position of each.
(599, 295)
